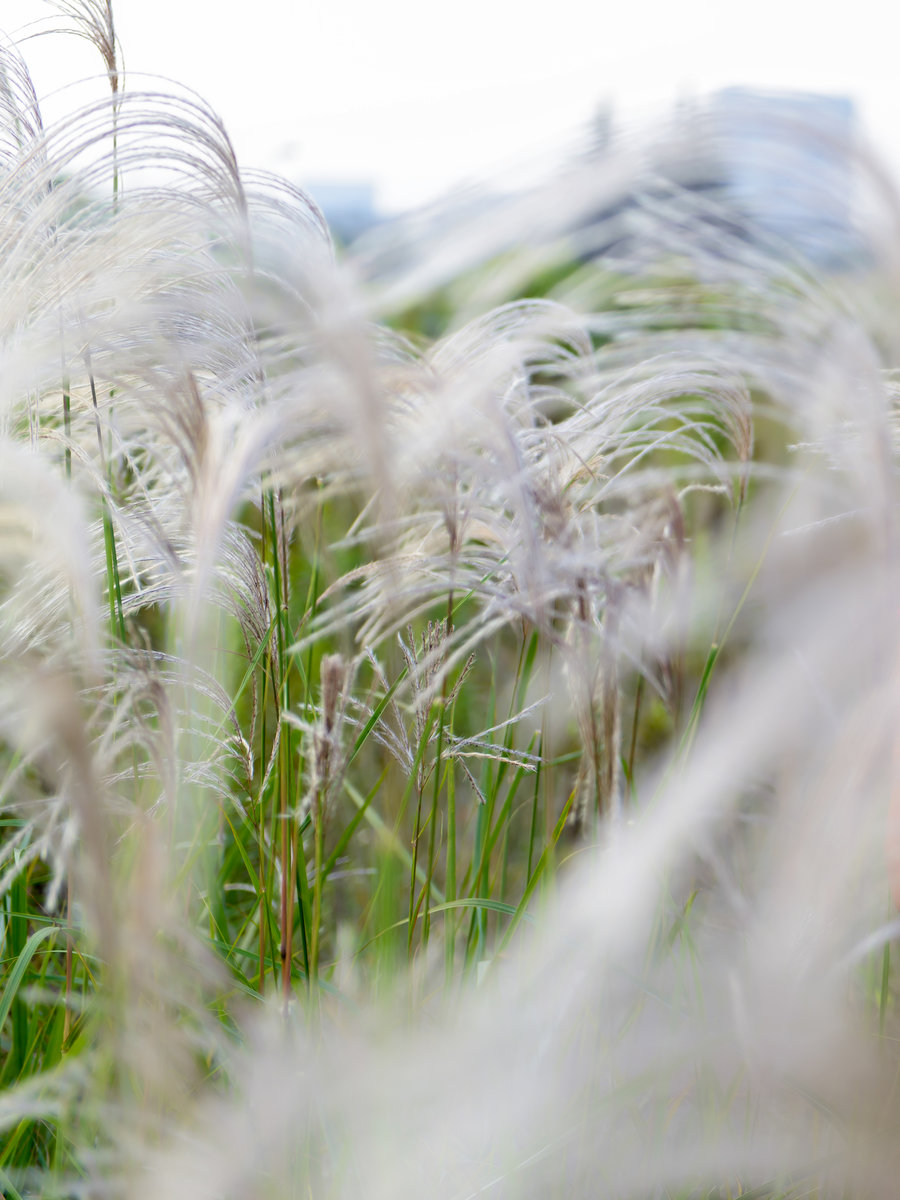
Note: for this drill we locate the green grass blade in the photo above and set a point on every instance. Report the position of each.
(520, 908)
(20, 966)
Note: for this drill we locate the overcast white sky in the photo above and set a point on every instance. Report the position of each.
(415, 96)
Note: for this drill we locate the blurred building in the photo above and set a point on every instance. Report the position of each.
(779, 167)
(349, 208)
(786, 161)
(773, 166)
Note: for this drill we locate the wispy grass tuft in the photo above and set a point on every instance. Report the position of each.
(445, 745)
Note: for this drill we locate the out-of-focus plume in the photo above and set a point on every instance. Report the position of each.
(508, 688)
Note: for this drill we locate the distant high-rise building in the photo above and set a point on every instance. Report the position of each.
(787, 164)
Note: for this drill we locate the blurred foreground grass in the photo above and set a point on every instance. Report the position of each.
(446, 711)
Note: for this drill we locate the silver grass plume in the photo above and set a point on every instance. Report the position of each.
(222, 474)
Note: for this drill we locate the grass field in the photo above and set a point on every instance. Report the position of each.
(448, 689)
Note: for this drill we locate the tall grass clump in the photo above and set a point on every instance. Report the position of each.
(448, 688)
